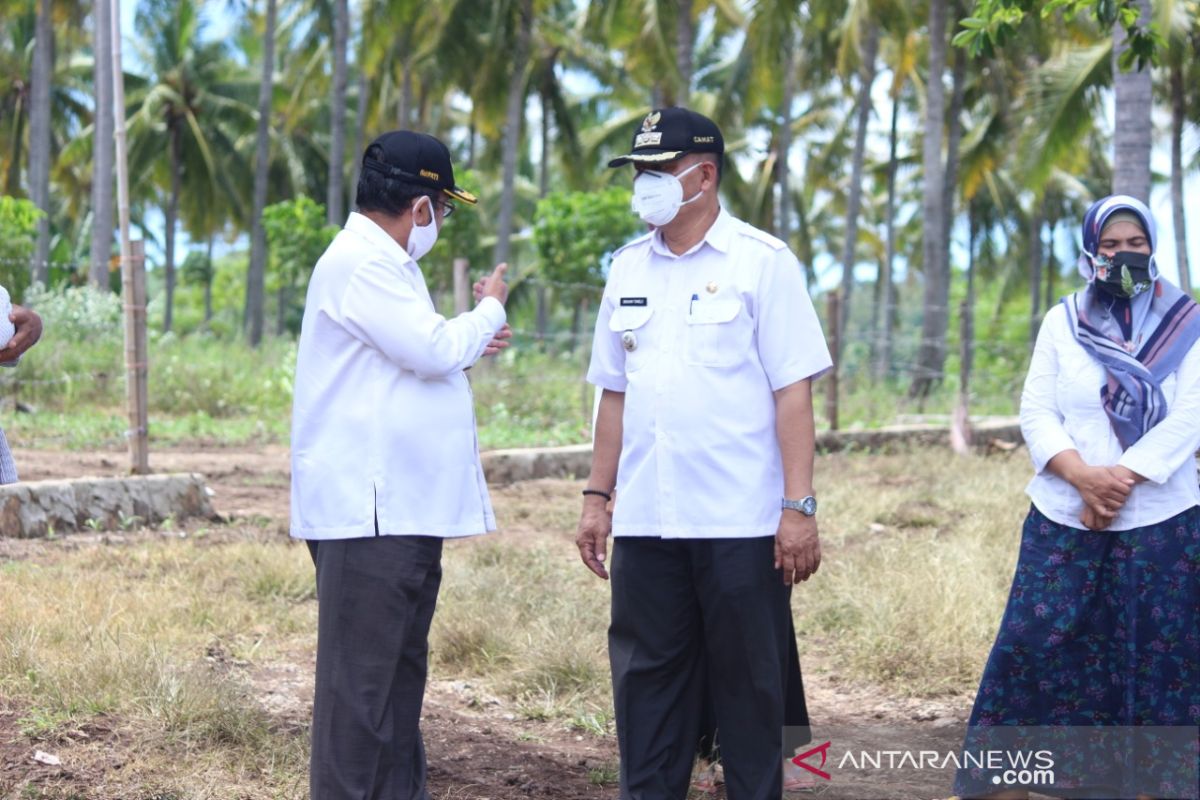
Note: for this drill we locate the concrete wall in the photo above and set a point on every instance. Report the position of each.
(509, 466)
(39, 507)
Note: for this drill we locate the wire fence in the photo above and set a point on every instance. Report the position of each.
(550, 356)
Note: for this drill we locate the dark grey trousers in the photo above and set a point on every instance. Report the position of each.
(687, 611)
(375, 603)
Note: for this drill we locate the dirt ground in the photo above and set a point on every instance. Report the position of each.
(478, 748)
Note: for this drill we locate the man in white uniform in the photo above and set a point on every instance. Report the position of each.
(705, 348)
(385, 464)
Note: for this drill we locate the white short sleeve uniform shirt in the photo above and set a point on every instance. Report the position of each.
(698, 343)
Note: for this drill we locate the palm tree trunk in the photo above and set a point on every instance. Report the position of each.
(1178, 119)
(542, 294)
(512, 132)
(172, 216)
(854, 203)
(12, 180)
(804, 248)
(39, 138)
(1036, 218)
(685, 37)
(360, 123)
(1133, 92)
(404, 108)
(281, 303)
(883, 360)
(931, 354)
(1051, 263)
(784, 142)
(968, 349)
(953, 139)
(253, 318)
(102, 143)
(209, 276)
(337, 134)
(544, 171)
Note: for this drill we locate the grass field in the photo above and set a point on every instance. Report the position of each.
(152, 661)
(212, 390)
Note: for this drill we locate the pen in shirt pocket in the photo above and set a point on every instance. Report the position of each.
(695, 297)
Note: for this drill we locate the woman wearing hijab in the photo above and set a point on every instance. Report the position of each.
(1102, 626)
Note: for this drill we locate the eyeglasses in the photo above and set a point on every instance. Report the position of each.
(447, 208)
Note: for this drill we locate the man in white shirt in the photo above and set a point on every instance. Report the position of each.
(385, 464)
(705, 348)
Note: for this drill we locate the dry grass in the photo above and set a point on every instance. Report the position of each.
(919, 553)
(163, 634)
(160, 635)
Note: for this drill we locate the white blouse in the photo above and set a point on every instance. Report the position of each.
(1061, 410)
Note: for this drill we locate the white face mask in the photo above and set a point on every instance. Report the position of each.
(658, 196)
(422, 238)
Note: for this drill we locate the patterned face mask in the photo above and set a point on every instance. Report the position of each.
(1123, 274)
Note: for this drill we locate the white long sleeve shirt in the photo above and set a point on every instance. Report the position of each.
(383, 423)
(1060, 410)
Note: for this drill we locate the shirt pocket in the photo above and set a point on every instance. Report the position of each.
(629, 325)
(718, 332)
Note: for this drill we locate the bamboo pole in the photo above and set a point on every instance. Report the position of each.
(833, 309)
(133, 272)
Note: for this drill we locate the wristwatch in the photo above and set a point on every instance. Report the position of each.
(806, 506)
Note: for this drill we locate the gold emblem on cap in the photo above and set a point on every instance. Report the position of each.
(711, 288)
(651, 120)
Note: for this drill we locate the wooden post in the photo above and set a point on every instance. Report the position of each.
(133, 272)
(833, 310)
(136, 366)
(462, 286)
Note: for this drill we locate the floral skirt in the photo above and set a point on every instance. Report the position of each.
(1101, 629)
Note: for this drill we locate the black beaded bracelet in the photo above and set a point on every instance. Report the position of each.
(598, 493)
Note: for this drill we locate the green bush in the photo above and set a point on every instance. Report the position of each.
(18, 227)
(79, 364)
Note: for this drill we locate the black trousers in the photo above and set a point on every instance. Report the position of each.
(375, 598)
(795, 710)
(691, 613)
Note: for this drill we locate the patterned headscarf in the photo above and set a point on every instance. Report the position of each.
(1166, 325)
(1096, 218)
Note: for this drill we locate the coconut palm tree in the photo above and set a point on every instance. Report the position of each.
(103, 148)
(1182, 27)
(900, 54)
(932, 353)
(861, 30)
(253, 316)
(1134, 100)
(337, 106)
(185, 121)
(39, 136)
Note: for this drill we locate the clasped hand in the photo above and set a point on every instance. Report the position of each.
(1104, 491)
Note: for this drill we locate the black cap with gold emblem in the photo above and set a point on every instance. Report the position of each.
(668, 133)
(417, 158)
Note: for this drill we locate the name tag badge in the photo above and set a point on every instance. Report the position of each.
(633, 301)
